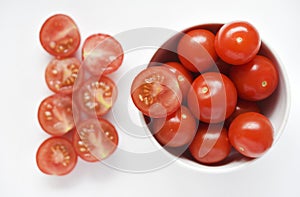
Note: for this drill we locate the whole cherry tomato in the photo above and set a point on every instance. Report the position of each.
(212, 98)
(211, 144)
(255, 80)
(196, 50)
(237, 42)
(251, 134)
(60, 36)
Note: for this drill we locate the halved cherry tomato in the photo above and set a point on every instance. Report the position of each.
(251, 134)
(55, 114)
(97, 96)
(177, 129)
(212, 98)
(60, 36)
(255, 80)
(61, 75)
(183, 76)
(56, 156)
(102, 54)
(196, 50)
(99, 137)
(155, 92)
(211, 144)
(237, 42)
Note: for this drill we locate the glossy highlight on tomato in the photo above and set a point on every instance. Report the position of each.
(56, 156)
(60, 36)
(155, 92)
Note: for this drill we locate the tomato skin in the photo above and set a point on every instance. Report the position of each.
(61, 74)
(211, 144)
(156, 92)
(177, 129)
(60, 36)
(255, 80)
(102, 54)
(237, 42)
(55, 114)
(56, 156)
(212, 98)
(196, 50)
(183, 76)
(251, 134)
(99, 137)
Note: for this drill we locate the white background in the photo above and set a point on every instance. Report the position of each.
(22, 86)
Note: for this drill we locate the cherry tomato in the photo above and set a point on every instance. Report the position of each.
(255, 80)
(102, 54)
(241, 107)
(55, 114)
(60, 36)
(56, 156)
(212, 98)
(211, 144)
(61, 75)
(155, 92)
(183, 76)
(99, 137)
(82, 149)
(196, 50)
(177, 129)
(251, 134)
(97, 96)
(237, 42)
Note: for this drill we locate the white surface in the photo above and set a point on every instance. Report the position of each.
(22, 85)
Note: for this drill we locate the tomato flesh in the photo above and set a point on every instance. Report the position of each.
(56, 156)
(60, 36)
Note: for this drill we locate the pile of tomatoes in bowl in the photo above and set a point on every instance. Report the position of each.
(211, 91)
(83, 93)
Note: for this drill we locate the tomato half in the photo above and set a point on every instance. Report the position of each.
(60, 36)
(99, 137)
(212, 98)
(56, 156)
(155, 92)
(237, 42)
(196, 50)
(255, 80)
(177, 129)
(211, 144)
(251, 134)
(102, 54)
(97, 96)
(183, 76)
(61, 75)
(55, 114)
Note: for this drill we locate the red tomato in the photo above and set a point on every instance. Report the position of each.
(61, 75)
(99, 137)
(55, 114)
(60, 36)
(211, 144)
(196, 50)
(212, 98)
(155, 92)
(237, 42)
(56, 156)
(255, 80)
(177, 129)
(183, 76)
(97, 96)
(82, 149)
(102, 54)
(251, 134)
(242, 106)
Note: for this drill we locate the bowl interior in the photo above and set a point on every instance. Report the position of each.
(275, 107)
